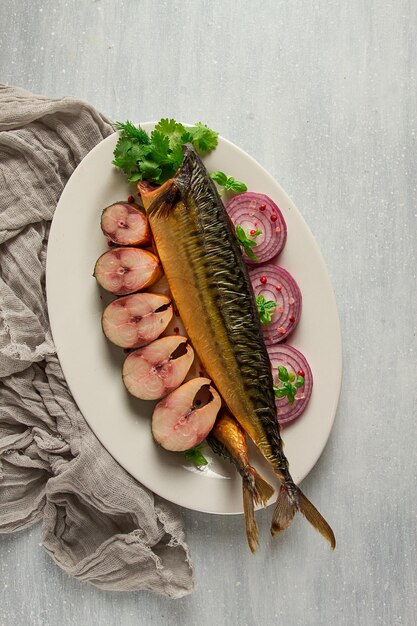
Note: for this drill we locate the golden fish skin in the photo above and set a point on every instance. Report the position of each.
(230, 435)
(228, 440)
(209, 281)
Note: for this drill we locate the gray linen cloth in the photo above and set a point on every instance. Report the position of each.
(98, 523)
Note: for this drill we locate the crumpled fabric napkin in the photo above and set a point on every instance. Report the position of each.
(98, 523)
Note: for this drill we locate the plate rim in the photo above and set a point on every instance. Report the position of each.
(325, 273)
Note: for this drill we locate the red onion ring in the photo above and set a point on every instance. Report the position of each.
(275, 283)
(294, 361)
(244, 209)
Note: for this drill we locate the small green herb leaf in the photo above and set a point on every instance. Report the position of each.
(240, 234)
(245, 242)
(135, 177)
(195, 456)
(266, 309)
(130, 130)
(170, 129)
(291, 391)
(235, 185)
(160, 147)
(228, 182)
(283, 373)
(219, 177)
(250, 253)
(287, 389)
(203, 138)
(280, 392)
(300, 381)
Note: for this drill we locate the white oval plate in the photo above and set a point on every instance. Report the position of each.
(92, 366)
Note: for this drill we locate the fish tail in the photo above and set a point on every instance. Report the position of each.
(256, 490)
(315, 518)
(285, 509)
(262, 490)
(252, 531)
(289, 501)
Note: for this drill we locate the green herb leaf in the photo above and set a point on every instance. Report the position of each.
(176, 155)
(157, 157)
(291, 391)
(228, 182)
(127, 129)
(203, 138)
(171, 130)
(219, 177)
(196, 456)
(240, 234)
(135, 177)
(280, 392)
(160, 147)
(235, 185)
(245, 242)
(251, 255)
(283, 373)
(132, 147)
(266, 309)
(287, 389)
(150, 170)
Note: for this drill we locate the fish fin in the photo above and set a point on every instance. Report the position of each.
(262, 490)
(252, 532)
(285, 509)
(315, 518)
(184, 172)
(288, 502)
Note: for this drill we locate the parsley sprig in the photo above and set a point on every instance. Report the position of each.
(156, 157)
(289, 387)
(246, 243)
(196, 456)
(266, 309)
(228, 182)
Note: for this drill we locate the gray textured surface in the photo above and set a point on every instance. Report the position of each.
(324, 95)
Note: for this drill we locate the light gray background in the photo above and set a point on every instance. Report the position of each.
(323, 94)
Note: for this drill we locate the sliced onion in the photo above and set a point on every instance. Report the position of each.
(244, 210)
(281, 288)
(294, 361)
